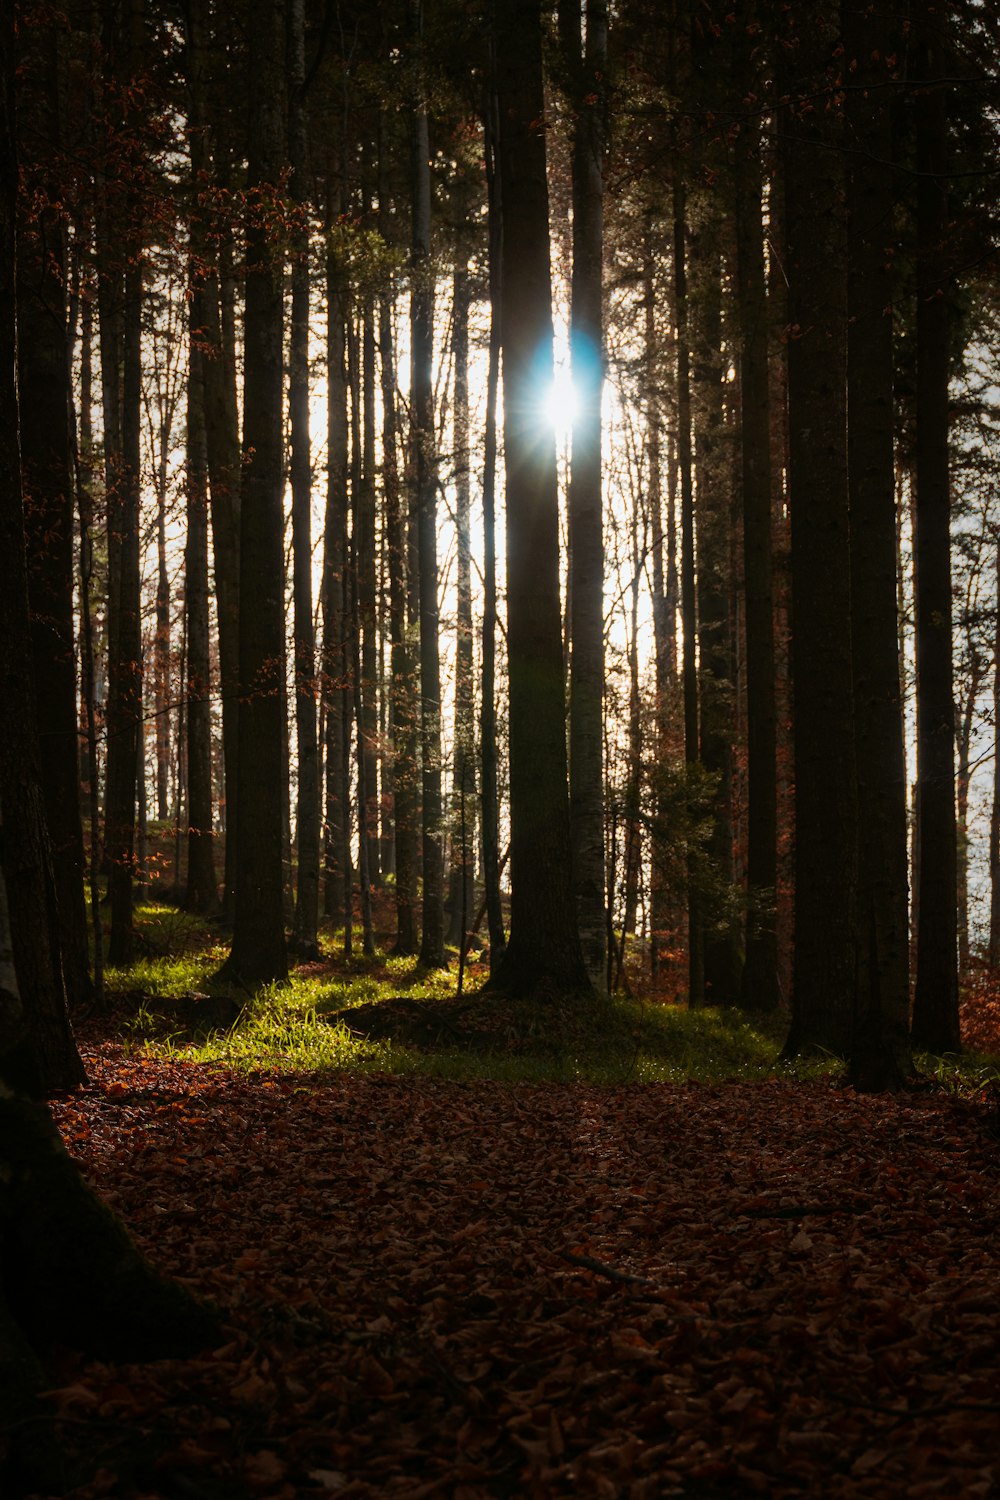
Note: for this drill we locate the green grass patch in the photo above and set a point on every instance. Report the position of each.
(288, 1026)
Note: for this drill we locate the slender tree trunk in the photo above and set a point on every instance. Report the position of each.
(689, 606)
(367, 587)
(994, 947)
(402, 702)
(161, 641)
(200, 892)
(490, 805)
(544, 955)
(307, 809)
(664, 571)
(587, 64)
(432, 953)
(713, 469)
(332, 595)
(935, 1000)
(125, 641)
(258, 953)
(461, 894)
(760, 990)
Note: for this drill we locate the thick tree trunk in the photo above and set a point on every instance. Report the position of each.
(825, 774)
(46, 454)
(36, 1043)
(880, 1054)
(544, 956)
(258, 955)
(935, 1000)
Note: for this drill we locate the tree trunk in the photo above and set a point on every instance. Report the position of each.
(689, 605)
(544, 956)
(37, 1050)
(432, 953)
(994, 948)
(713, 485)
(760, 989)
(201, 893)
(880, 1055)
(586, 62)
(935, 1000)
(258, 954)
(461, 896)
(211, 236)
(825, 775)
(489, 752)
(367, 588)
(46, 455)
(332, 589)
(306, 919)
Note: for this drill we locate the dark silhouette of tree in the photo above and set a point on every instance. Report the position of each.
(543, 954)
(258, 953)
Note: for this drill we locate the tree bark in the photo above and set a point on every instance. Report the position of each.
(759, 988)
(432, 954)
(584, 25)
(880, 1053)
(824, 758)
(46, 456)
(201, 893)
(935, 999)
(258, 955)
(543, 956)
(307, 810)
(461, 896)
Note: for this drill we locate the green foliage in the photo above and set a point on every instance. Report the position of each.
(621, 1041)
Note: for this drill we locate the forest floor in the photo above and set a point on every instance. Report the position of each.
(475, 1289)
(629, 1255)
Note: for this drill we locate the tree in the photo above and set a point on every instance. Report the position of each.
(258, 953)
(543, 955)
(584, 31)
(880, 1049)
(425, 500)
(307, 809)
(825, 776)
(46, 455)
(935, 1000)
(759, 990)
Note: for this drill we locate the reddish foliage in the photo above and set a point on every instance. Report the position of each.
(980, 1009)
(486, 1290)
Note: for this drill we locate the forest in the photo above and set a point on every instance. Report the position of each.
(499, 802)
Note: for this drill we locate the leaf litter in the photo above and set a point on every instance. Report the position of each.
(434, 1288)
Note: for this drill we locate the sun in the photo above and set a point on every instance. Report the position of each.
(561, 404)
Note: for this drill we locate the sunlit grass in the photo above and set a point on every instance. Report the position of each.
(288, 1026)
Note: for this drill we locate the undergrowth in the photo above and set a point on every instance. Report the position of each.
(294, 1026)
